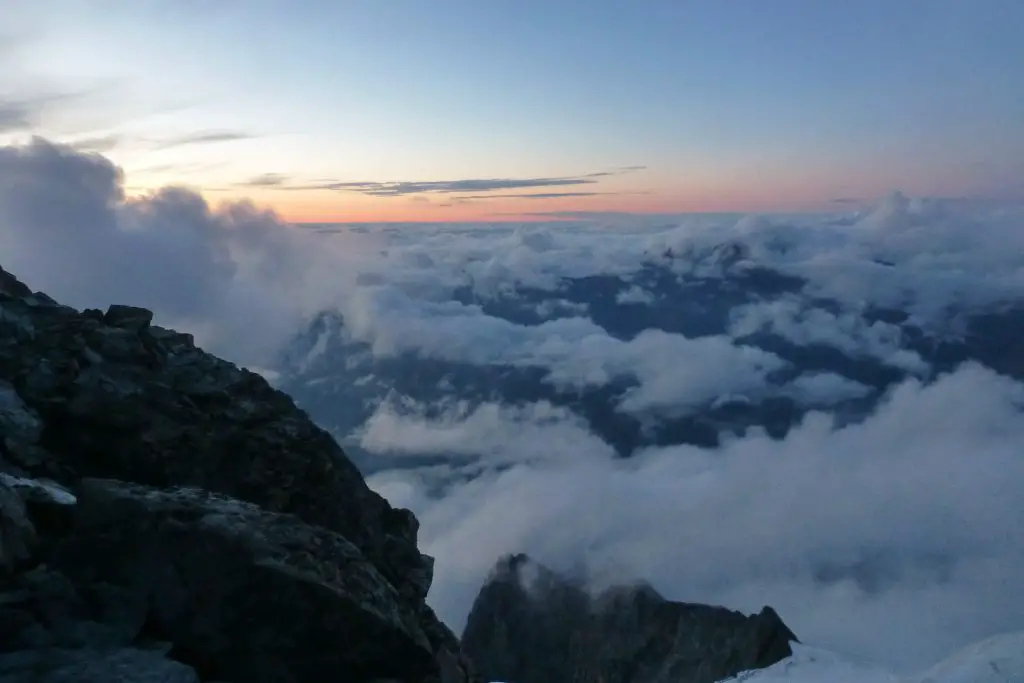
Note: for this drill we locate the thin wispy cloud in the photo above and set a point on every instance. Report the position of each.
(584, 214)
(15, 116)
(204, 138)
(536, 195)
(266, 180)
(398, 189)
(99, 143)
(18, 114)
(616, 171)
(418, 187)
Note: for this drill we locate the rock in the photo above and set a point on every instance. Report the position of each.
(128, 317)
(11, 286)
(122, 399)
(245, 594)
(18, 422)
(45, 506)
(214, 516)
(127, 665)
(17, 534)
(531, 625)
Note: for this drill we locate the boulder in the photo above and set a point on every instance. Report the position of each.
(243, 593)
(531, 625)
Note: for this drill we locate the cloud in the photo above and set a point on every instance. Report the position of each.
(848, 331)
(232, 274)
(616, 171)
(266, 180)
(535, 195)
(586, 215)
(26, 113)
(16, 116)
(99, 143)
(402, 188)
(203, 138)
(396, 189)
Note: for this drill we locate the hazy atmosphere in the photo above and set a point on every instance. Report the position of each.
(725, 297)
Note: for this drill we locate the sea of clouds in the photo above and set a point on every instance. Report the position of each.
(897, 537)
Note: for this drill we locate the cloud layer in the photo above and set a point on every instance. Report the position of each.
(894, 535)
(896, 538)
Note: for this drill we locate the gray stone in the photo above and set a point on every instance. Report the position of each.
(128, 317)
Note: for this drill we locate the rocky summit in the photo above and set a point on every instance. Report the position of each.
(167, 516)
(531, 625)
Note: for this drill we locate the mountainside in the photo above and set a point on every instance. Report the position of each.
(530, 625)
(165, 513)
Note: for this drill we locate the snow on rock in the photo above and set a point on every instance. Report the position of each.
(813, 665)
(44, 488)
(999, 659)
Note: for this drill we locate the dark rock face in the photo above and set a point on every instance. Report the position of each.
(219, 578)
(150, 492)
(530, 625)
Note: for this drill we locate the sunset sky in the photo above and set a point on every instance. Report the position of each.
(511, 109)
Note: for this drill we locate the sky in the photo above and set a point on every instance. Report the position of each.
(460, 110)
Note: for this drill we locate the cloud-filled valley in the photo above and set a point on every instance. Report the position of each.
(818, 412)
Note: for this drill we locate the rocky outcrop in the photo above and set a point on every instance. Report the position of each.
(157, 500)
(531, 625)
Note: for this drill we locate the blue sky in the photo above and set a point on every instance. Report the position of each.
(738, 105)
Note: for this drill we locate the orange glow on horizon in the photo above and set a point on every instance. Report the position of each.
(322, 207)
(707, 190)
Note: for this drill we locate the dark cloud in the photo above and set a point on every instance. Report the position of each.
(845, 200)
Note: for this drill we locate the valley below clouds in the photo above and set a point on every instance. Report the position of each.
(819, 412)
